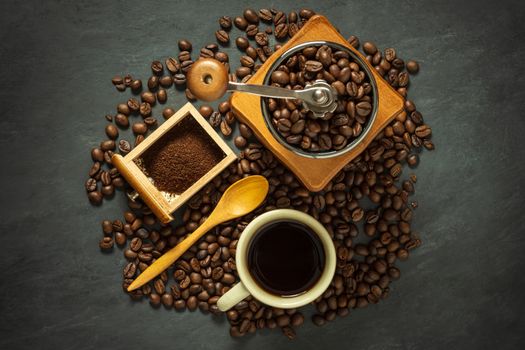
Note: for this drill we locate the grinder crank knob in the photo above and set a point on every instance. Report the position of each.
(208, 79)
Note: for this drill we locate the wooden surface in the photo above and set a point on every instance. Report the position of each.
(315, 173)
(159, 205)
(208, 79)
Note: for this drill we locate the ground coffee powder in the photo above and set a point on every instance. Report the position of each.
(181, 157)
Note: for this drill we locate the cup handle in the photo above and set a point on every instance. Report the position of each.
(232, 297)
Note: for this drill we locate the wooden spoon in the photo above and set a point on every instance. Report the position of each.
(239, 199)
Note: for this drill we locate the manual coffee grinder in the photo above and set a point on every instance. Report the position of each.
(208, 80)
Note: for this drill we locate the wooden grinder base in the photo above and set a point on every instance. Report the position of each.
(314, 173)
(147, 191)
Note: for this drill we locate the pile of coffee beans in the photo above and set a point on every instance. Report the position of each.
(334, 131)
(367, 207)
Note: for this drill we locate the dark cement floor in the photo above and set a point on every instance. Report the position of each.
(463, 289)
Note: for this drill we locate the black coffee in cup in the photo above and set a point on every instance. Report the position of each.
(286, 258)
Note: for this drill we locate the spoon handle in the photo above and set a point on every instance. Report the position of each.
(171, 255)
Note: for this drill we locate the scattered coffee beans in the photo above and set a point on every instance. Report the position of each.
(207, 270)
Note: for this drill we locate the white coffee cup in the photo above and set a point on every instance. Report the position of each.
(247, 286)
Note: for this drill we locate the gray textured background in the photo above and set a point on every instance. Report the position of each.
(463, 289)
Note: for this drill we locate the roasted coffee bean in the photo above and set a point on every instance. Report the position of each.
(107, 227)
(168, 112)
(241, 72)
(363, 108)
(120, 238)
(95, 168)
(117, 80)
(95, 197)
(353, 41)
(251, 30)
(247, 61)
(390, 54)
(105, 178)
(184, 56)
(423, 131)
(139, 128)
(207, 53)
(318, 320)
(313, 66)
(240, 23)
(184, 45)
(151, 122)
(251, 16)
(91, 185)
(226, 130)
(413, 160)
(167, 300)
(172, 65)
(293, 28)
(250, 51)
(215, 119)
(107, 145)
(240, 142)
(222, 57)
(369, 48)
(412, 67)
(402, 79)
(153, 82)
(106, 243)
(107, 156)
(225, 22)
(265, 15)
(112, 131)
(245, 131)
(157, 68)
(261, 39)
(280, 77)
(145, 109)
(429, 145)
(191, 303)
(128, 79)
(133, 104)
(222, 36)
(242, 43)
(148, 97)
(136, 244)
(162, 96)
(123, 109)
(279, 18)
(166, 81)
(289, 332)
(120, 87)
(136, 85)
(306, 13)
(97, 155)
(281, 30)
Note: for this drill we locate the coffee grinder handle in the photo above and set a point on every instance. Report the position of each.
(208, 79)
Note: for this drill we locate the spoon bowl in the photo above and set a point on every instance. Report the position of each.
(252, 190)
